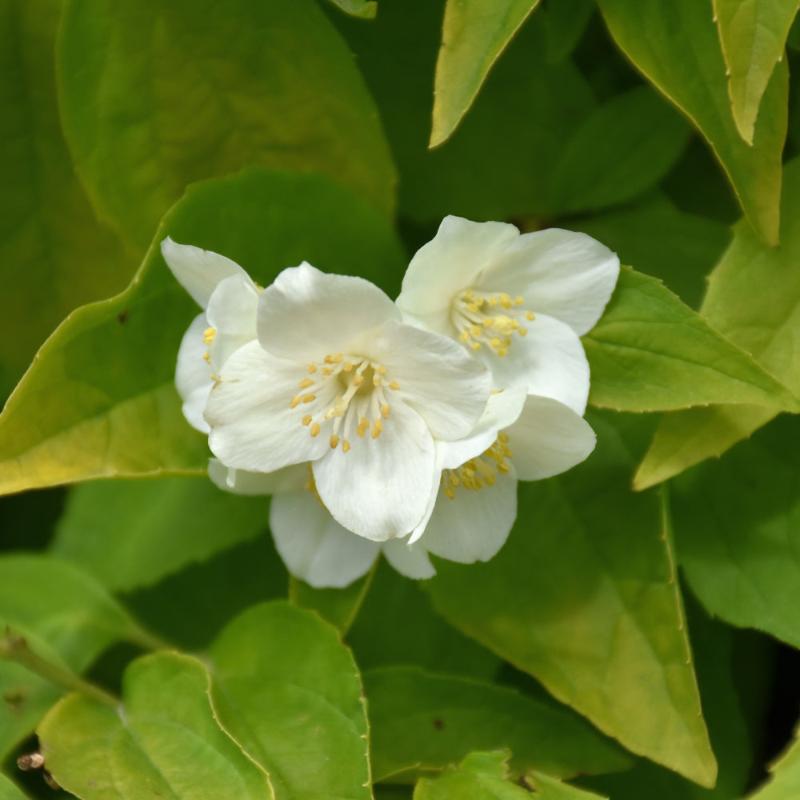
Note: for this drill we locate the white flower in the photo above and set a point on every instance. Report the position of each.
(518, 302)
(469, 517)
(338, 380)
(229, 299)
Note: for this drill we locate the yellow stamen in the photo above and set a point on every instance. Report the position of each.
(345, 446)
(334, 441)
(305, 383)
(385, 410)
(314, 431)
(312, 367)
(363, 426)
(209, 334)
(309, 398)
(377, 428)
(307, 420)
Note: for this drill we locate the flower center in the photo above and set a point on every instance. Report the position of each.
(479, 472)
(347, 395)
(490, 320)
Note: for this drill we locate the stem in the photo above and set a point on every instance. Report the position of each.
(14, 647)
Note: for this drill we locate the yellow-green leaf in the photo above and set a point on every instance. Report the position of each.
(156, 96)
(675, 45)
(99, 400)
(474, 35)
(753, 36)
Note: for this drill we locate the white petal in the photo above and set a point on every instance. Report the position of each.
(437, 377)
(473, 525)
(253, 426)
(501, 411)
(314, 546)
(232, 312)
(193, 374)
(408, 559)
(549, 361)
(240, 481)
(198, 271)
(548, 439)
(307, 314)
(380, 488)
(562, 274)
(448, 264)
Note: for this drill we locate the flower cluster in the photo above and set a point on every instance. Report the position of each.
(400, 427)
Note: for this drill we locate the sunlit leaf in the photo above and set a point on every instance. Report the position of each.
(677, 359)
(53, 251)
(754, 300)
(363, 9)
(675, 45)
(164, 741)
(784, 780)
(753, 36)
(100, 400)
(584, 598)
(422, 721)
(475, 33)
(9, 790)
(290, 694)
(227, 89)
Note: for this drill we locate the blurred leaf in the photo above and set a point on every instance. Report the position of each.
(754, 300)
(337, 606)
(677, 358)
(422, 721)
(158, 95)
(481, 776)
(9, 790)
(53, 251)
(737, 528)
(663, 241)
(484, 776)
(753, 36)
(164, 741)
(192, 606)
(564, 23)
(621, 149)
(510, 138)
(100, 401)
(675, 45)
(584, 598)
(66, 617)
(290, 694)
(133, 533)
(784, 782)
(474, 35)
(382, 636)
(363, 9)
(28, 520)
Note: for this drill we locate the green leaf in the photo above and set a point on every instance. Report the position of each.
(511, 137)
(100, 400)
(156, 96)
(784, 781)
(422, 721)
(485, 776)
(737, 529)
(584, 598)
(675, 45)
(53, 251)
(753, 36)
(677, 247)
(381, 634)
(474, 35)
(549, 788)
(363, 9)
(290, 694)
(67, 618)
(337, 606)
(133, 533)
(754, 300)
(163, 742)
(9, 790)
(678, 359)
(622, 148)
(481, 776)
